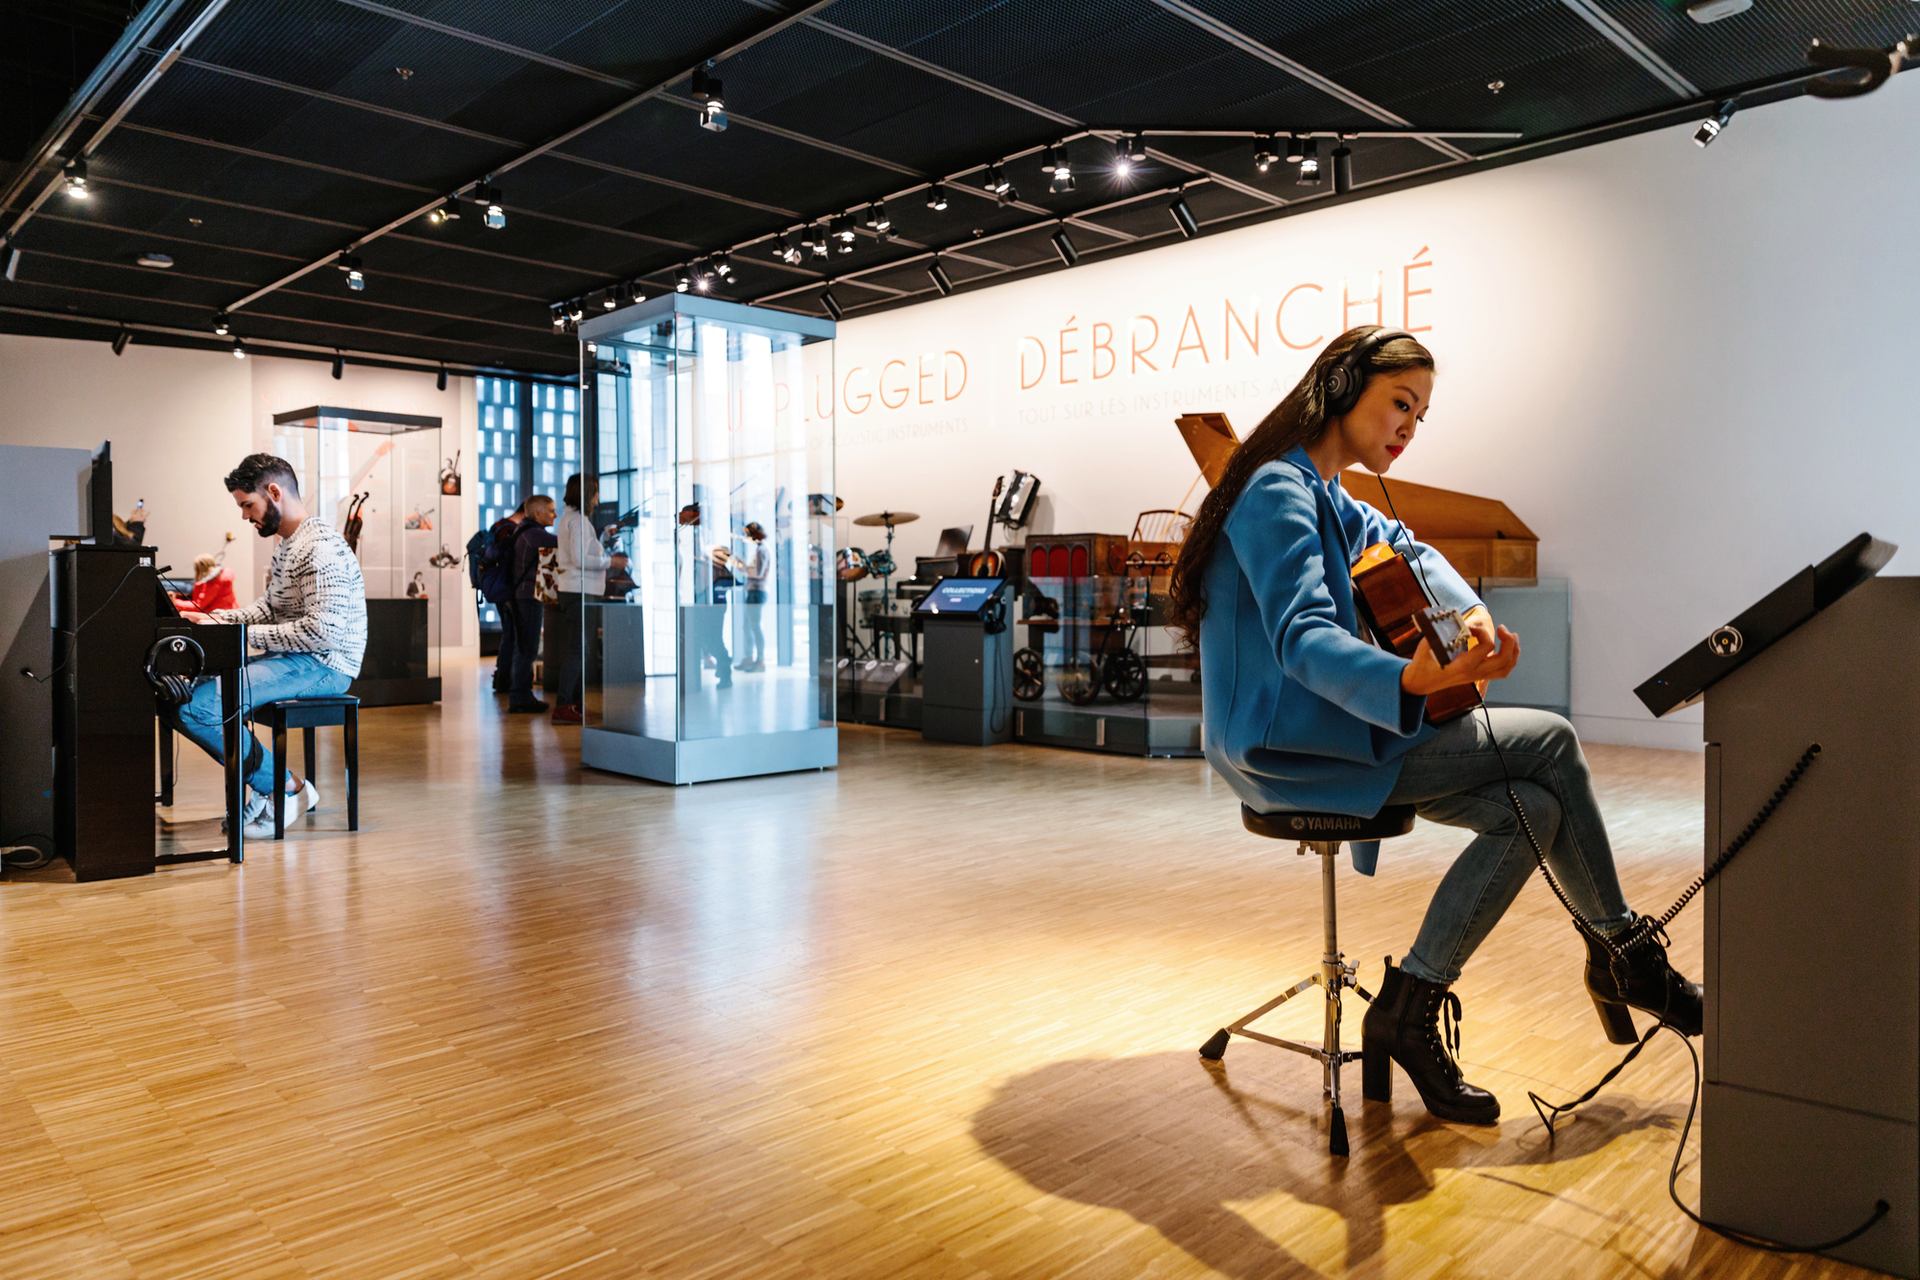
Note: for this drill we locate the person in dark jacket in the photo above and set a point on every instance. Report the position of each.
(534, 533)
(496, 585)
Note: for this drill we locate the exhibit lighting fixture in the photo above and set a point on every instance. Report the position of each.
(356, 280)
(609, 302)
(575, 311)
(831, 303)
(681, 279)
(819, 242)
(1122, 159)
(882, 221)
(843, 229)
(220, 324)
(339, 367)
(723, 264)
(1010, 196)
(1263, 156)
(559, 316)
(239, 349)
(937, 197)
(1710, 127)
(445, 213)
(1064, 246)
(712, 99)
(496, 216)
(996, 180)
(1342, 170)
(703, 275)
(1296, 148)
(76, 176)
(1310, 164)
(1062, 179)
(938, 274)
(440, 383)
(120, 341)
(786, 250)
(1049, 159)
(1183, 218)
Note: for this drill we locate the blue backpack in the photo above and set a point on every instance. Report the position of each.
(477, 547)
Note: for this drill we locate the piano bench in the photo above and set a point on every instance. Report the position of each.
(308, 714)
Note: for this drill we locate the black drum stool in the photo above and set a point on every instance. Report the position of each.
(307, 714)
(1324, 833)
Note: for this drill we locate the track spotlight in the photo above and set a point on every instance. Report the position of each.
(1064, 246)
(786, 250)
(120, 341)
(1062, 179)
(878, 218)
(440, 383)
(1010, 196)
(938, 274)
(703, 275)
(723, 264)
(708, 93)
(1342, 169)
(575, 311)
(1710, 127)
(819, 241)
(1310, 163)
(608, 302)
(996, 180)
(559, 316)
(681, 280)
(239, 349)
(1296, 148)
(445, 213)
(1263, 153)
(1183, 218)
(1129, 153)
(937, 197)
(1049, 159)
(843, 229)
(220, 324)
(831, 303)
(76, 176)
(495, 216)
(350, 264)
(339, 367)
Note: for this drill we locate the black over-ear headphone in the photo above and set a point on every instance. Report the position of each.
(1348, 376)
(994, 617)
(175, 688)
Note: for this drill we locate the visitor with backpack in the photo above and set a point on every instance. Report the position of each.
(533, 552)
(490, 569)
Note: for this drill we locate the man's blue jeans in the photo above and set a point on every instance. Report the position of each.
(270, 678)
(1455, 778)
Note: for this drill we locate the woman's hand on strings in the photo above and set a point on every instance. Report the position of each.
(1425, 675)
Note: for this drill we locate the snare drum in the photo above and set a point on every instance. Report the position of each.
(851, 564)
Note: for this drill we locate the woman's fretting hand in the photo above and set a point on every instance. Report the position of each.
(1424, 675)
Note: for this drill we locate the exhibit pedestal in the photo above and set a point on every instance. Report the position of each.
(968, 683)
(1811, 1109)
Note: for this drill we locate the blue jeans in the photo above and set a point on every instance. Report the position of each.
(1455, 778)
(268, 678)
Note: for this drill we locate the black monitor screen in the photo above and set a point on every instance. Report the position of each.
(959, 597)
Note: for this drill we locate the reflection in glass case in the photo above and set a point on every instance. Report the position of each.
(379, 478)
(711, 654)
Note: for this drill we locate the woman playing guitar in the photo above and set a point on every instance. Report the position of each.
(1300, 713)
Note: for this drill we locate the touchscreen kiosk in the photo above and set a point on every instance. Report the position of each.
(968, 598)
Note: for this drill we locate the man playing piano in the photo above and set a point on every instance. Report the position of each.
(311, 627)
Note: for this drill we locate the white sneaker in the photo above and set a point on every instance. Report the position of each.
(311, 795)
(261, 827)
(251, 812)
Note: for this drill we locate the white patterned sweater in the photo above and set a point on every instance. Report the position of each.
(316, 601)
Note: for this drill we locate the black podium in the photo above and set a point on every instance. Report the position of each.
(966, 671)
(1812, 977)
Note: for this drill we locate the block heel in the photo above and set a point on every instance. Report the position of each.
(1376, 1072)
(1617, 1021)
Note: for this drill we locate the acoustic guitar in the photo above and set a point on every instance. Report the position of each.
(1399, 614)
(986, 562)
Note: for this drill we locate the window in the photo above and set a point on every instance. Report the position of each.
(529, 443)
(500, 401)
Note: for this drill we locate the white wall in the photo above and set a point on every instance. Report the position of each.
(1690, 371)
(179, 420)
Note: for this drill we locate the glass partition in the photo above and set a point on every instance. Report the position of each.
(381, 480)
(710, 654)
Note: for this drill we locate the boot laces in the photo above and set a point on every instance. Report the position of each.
(1443, 1027)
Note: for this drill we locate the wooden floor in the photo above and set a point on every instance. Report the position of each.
(932, 1014)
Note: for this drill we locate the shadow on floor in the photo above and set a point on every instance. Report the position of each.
(1173, 1143)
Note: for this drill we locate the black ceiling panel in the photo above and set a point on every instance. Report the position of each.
(1766, 40)
(293, 128)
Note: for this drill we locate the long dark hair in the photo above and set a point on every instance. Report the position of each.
(1299, 419)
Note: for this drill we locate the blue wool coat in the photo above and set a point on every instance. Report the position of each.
(1298, 711)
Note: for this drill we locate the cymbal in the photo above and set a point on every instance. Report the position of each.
(887, 518)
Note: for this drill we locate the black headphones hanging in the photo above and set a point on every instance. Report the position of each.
(175, 688)
(1348, 376)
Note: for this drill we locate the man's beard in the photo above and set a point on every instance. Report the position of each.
(269, 523)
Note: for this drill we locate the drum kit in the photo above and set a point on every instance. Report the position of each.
(851, 564)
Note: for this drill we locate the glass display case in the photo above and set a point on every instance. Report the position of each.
(711, 653)
(382, 481)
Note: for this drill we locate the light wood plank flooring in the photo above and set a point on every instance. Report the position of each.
(932, 1014)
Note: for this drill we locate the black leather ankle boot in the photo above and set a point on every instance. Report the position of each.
(1645, 981)
(1404, 1024)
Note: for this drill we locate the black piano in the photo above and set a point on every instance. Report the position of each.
(109, 610)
